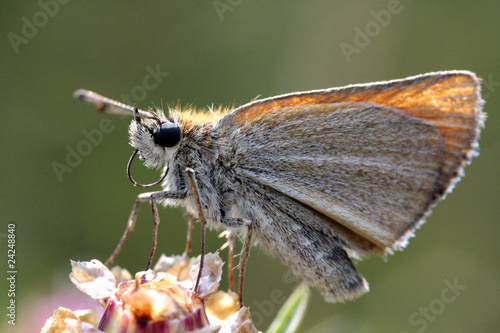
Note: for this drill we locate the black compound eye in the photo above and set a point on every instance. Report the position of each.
(168, 135)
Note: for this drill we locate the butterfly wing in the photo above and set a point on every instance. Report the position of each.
(373, 158)
(450, 101)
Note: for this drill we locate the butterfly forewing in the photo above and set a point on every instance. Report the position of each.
(372, 157)
(450, 101)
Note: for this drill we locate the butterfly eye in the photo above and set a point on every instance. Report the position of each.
(168, 135)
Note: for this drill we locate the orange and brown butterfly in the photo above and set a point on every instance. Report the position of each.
(325, 175)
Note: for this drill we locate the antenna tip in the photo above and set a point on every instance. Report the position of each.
(80, 94)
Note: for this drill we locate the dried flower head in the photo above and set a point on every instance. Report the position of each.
(158, 300)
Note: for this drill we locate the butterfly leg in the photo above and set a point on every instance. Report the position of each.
(245, 250)
(231, 239)
(194, 190)
(187, 250)
(148, 196)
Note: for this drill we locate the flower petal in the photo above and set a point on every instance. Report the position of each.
(93, 278)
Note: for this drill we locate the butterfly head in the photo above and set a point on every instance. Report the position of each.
(155, 136)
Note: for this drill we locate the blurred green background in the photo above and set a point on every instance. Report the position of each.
(228, 52)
